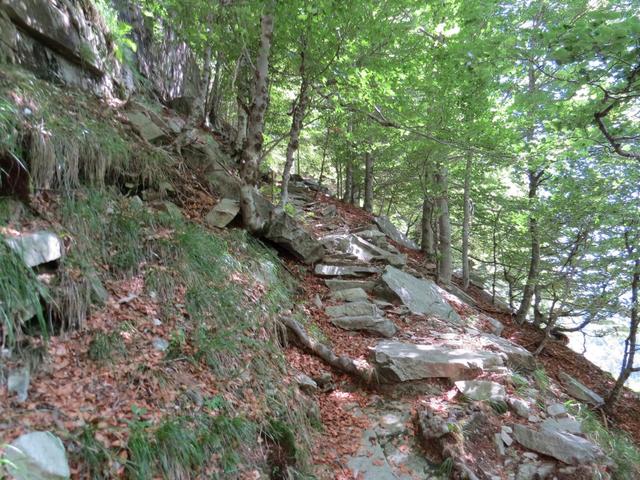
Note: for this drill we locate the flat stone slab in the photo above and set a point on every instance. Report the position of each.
(36, 248)
(565, 447)
(419, 295)
(353, 309)
(562, 424)
(37, 455)
(336, 284)
(481, 390)
(392, 232)
(350, 295)
(579, 391)
(400, 362)
(324, 270)
(379, 325)
(145, 126)
(223, 213)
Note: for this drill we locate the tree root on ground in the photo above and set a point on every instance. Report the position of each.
(342, 363)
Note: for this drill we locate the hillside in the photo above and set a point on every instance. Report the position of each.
(169, 308)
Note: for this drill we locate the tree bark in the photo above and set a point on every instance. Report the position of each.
(427, 240)
(368, 182)
(298, 112)
(466, 224)
(252, 146)
(534, 262)
(445, 261)
(348, 182)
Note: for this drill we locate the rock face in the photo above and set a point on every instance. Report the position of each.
(580, 391)
(481, 390)
(37, 456)
(344, 270)
(336, 284)
(285, 232)
(390, 229)
(419, 295)
(145, 127)
(223, 213)
(567, 448)
(36, 248)
(399, 362)
(361, 316)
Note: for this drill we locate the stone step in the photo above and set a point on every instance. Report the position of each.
(368, 323)
(353, 309)
(336, 284)
(324, 270)
(350, 295)
(400, 362)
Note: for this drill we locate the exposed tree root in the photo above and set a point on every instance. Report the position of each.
(342, 363)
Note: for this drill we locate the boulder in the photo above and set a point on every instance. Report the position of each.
(516, 357)
(145, 127)
(481, 390)
(565, 447)
(36, 248)
(336, 284)
(353, 309)
(398, 362)
(392, 232)
(283, 230)
(306, 383)
(350, 295)
(223, 213)
(37, 456)
(521, 407)
(419, 295)
(18, 383)
(580, 391)
(562, 424)
(324, 270)
(556, 410)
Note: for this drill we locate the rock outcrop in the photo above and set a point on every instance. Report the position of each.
(37, 456)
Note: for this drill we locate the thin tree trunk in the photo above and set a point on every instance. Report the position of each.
(348, 181)
(368, 182)
(324, 156)
(445, 261)
(252, 146)
(534, 263)
(426, 242)
(199, 107)
(466, 224)
(630, 343)
(298, 112)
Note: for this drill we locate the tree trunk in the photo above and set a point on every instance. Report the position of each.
(630, 343)
(368, 182)
(445, 261)
(466, 224)
(426, 242)
(324, 157)
(534, 263)
(199, 107)
(348, 182)
(252, 146)
(298, 111)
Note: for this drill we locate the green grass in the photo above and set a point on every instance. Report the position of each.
(541, 379)
(95, 457)
(20, 296)
(105, 347)
(616, 444)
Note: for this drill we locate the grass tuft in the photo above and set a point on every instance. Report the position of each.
(106, 346)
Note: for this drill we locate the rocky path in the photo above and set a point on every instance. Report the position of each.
(450, 396)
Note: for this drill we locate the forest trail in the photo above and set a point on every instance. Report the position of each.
(382, 430)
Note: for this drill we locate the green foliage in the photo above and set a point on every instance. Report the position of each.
(95, 457)
(117, 30)
(542, 379)
(445, 469)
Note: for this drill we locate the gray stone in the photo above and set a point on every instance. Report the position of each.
(515, 356)
(37, 456)
(565, 447)
(495, 325)
(505, 435)
(392, 232)
(580, 391)
(337, 284)
(497, 438)
(350, 295)
(146, 127)
(562, 424)
(286, 232)
(481, 390)
(419, 295)
(160, 344)
(342, 270)
(399, 362)
(317, 301)
(556, 410)
(353, 309)
(18, 383)
(223, 213)
(306, 383)
(527, 471)
(369, 323)
(521, 407)
(36, 248)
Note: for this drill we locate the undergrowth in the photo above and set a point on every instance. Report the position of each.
(617, 445)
